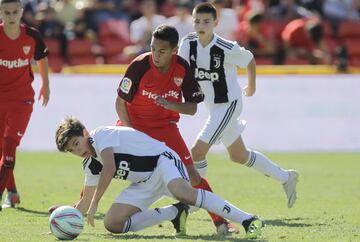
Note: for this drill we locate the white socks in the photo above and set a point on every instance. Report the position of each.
(262, 164)
(219, 206)
(148, 218)
(202, 167)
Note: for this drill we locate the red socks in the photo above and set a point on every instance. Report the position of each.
(7, 163)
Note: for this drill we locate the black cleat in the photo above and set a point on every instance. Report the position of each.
(179, 221)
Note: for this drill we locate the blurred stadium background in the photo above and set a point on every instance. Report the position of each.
(307, 52)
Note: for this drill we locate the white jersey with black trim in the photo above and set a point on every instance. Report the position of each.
(215, 66)
(135, 153)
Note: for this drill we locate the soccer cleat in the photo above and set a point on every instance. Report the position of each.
(226, 228)
(253, 227)
(11, 199)
(290, 187)
(179, 221)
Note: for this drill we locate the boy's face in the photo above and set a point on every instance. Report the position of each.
(204, 24)
(11, 13)
(80, 146)
(162, 52)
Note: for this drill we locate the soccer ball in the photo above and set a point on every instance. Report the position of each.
(66, 222)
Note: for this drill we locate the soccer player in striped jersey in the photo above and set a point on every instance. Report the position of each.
(19, 44)
(214, 61)
(153, 170)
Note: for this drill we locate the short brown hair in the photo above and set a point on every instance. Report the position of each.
(67, 129)
(205, 8)
(10, 1)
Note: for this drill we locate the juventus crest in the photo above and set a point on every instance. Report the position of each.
(217, 60)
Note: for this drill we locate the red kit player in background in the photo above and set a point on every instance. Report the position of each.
(150, 98)
(19, 44)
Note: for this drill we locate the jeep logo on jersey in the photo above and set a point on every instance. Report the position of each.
(123, 170)
(204, 75)
(178, 81)
(26, 49)
(125, 85)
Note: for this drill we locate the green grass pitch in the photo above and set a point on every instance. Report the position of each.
(327, 209)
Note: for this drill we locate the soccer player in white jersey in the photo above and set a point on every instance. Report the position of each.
(214, 61)
(152, 168)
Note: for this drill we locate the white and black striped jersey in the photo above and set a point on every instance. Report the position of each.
(215, 66)
(136, 154)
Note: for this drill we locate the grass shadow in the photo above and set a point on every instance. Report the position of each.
(25, 210)
(208, 237)
(290, 222)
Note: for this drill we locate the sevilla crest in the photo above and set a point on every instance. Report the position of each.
(26, 49)
(178, 81)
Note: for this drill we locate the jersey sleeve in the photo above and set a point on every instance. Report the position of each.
(105, 138)
(239, 56)
(41, 51)
(90, 179)
(130, 82)
(190, 87)
(184, 49)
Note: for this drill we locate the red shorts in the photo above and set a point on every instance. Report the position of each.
(172, 138)
(14, 119)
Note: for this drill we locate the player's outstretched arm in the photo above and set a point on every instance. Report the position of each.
(45, 88)
(250, 88)
(106, 175)
(84, 203)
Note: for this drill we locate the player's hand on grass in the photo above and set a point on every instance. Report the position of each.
(45, 95)
(249, 90)
(91, 213)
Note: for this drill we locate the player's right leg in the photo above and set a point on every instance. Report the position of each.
(209, 201)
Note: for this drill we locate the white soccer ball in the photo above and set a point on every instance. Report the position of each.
(66, 222)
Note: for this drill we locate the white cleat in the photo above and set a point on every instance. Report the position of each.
(290, 187)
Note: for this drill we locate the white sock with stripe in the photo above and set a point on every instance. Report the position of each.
(261, 163)
(202, 167)
(149, 218)
(215, 204)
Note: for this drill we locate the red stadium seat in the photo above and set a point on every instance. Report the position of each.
(353, 47)
(114, 29)
(349, 29)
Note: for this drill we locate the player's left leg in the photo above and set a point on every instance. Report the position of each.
(183, 192)
(17, 120)
(250, 158)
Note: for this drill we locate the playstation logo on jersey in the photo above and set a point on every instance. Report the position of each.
(26, 49)
(217, 60)
(178, 81)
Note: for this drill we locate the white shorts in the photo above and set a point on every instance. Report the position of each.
(223, 124)
(142, 195)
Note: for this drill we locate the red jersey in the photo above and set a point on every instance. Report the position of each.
(15, 63)
(142, 83)
(294, 33)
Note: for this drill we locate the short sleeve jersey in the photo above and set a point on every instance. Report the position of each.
(135, 153)
(15, 63)
(143, 83)
(215, 66)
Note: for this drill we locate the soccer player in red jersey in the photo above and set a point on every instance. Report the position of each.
(150, 98)
(19, 44)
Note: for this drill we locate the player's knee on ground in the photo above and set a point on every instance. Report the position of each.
(113, 225)
(240, 156)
